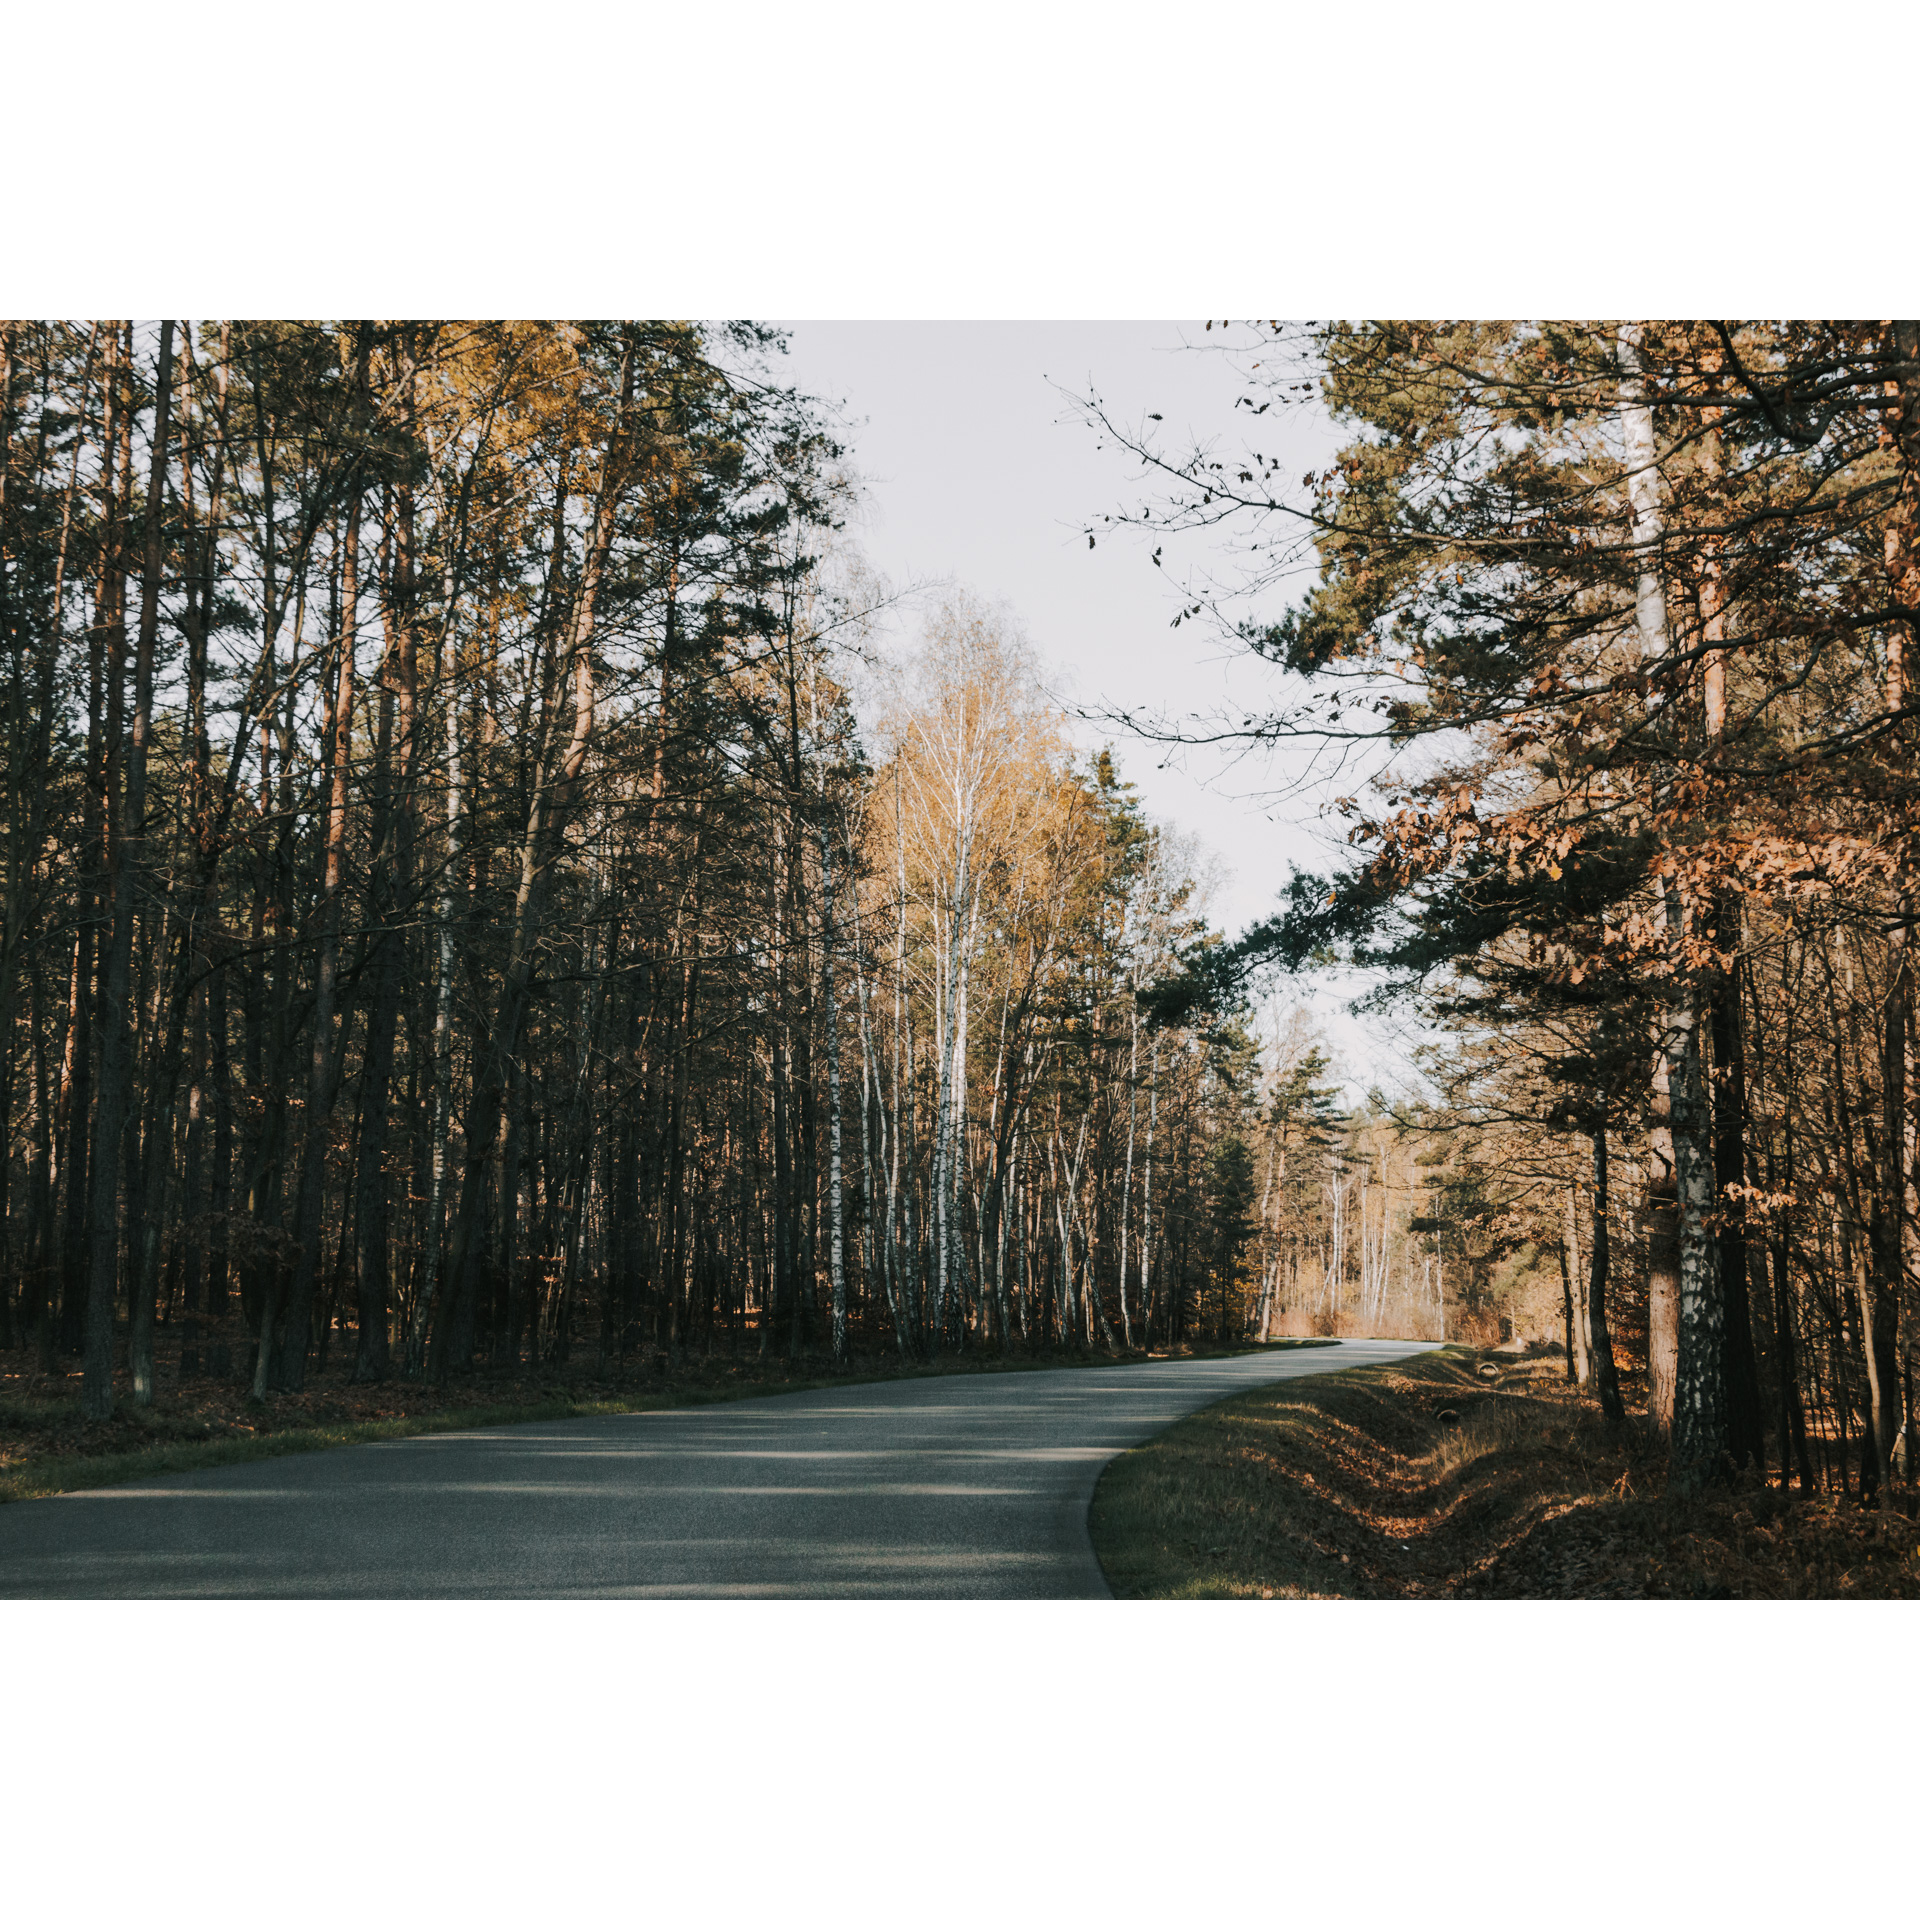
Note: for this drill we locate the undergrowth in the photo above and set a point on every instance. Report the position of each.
(1462, 1475)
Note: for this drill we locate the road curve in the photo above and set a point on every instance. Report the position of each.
(963, 1487)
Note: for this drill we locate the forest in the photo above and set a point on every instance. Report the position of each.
(481, 896)
(494, 882)
(1613, 628)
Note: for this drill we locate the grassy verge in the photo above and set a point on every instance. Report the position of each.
(46, 1447)
(1357, 1485)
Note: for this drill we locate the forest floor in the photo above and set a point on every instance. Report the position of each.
(1351, 1485)
(197, 1421)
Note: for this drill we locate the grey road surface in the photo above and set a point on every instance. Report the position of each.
(972, 1487)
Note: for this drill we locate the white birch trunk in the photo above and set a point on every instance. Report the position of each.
(442, 1015)
(1126, 1181)
(1699, 1426)
(1146, 1189)
(836, 1246)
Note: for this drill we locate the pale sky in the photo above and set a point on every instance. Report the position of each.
(978, 470)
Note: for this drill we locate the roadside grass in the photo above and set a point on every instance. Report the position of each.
(46, 1447)
(1353, 1485)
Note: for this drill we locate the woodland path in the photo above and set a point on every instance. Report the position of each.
(972, 1487)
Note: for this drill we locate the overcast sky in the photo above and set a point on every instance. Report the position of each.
(979, 469)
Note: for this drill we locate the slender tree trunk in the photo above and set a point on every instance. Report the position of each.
(1579, 1344)
(1745, 1441)
(1699, 1419)
(1599, 1275)
(113, 1105)
(442, 1013)
(1902, 566)
(323, 1081)
(1146, 1188)
(836, 1254)
(1745, 1419)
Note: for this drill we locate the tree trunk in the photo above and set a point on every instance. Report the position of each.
(1901, 555)
(1746, 1422)
(1698, 1429)
(1599, 1274)
(323, 1060)
(113, 1105)
(1579, 1344)
(836, 1254)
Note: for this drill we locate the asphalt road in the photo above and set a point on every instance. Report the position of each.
(970, 1487)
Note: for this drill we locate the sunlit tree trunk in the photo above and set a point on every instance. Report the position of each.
(1579, 1341)
(1146, 1188)
(1699, 1420)
(1901, 559)
(836, 1252)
